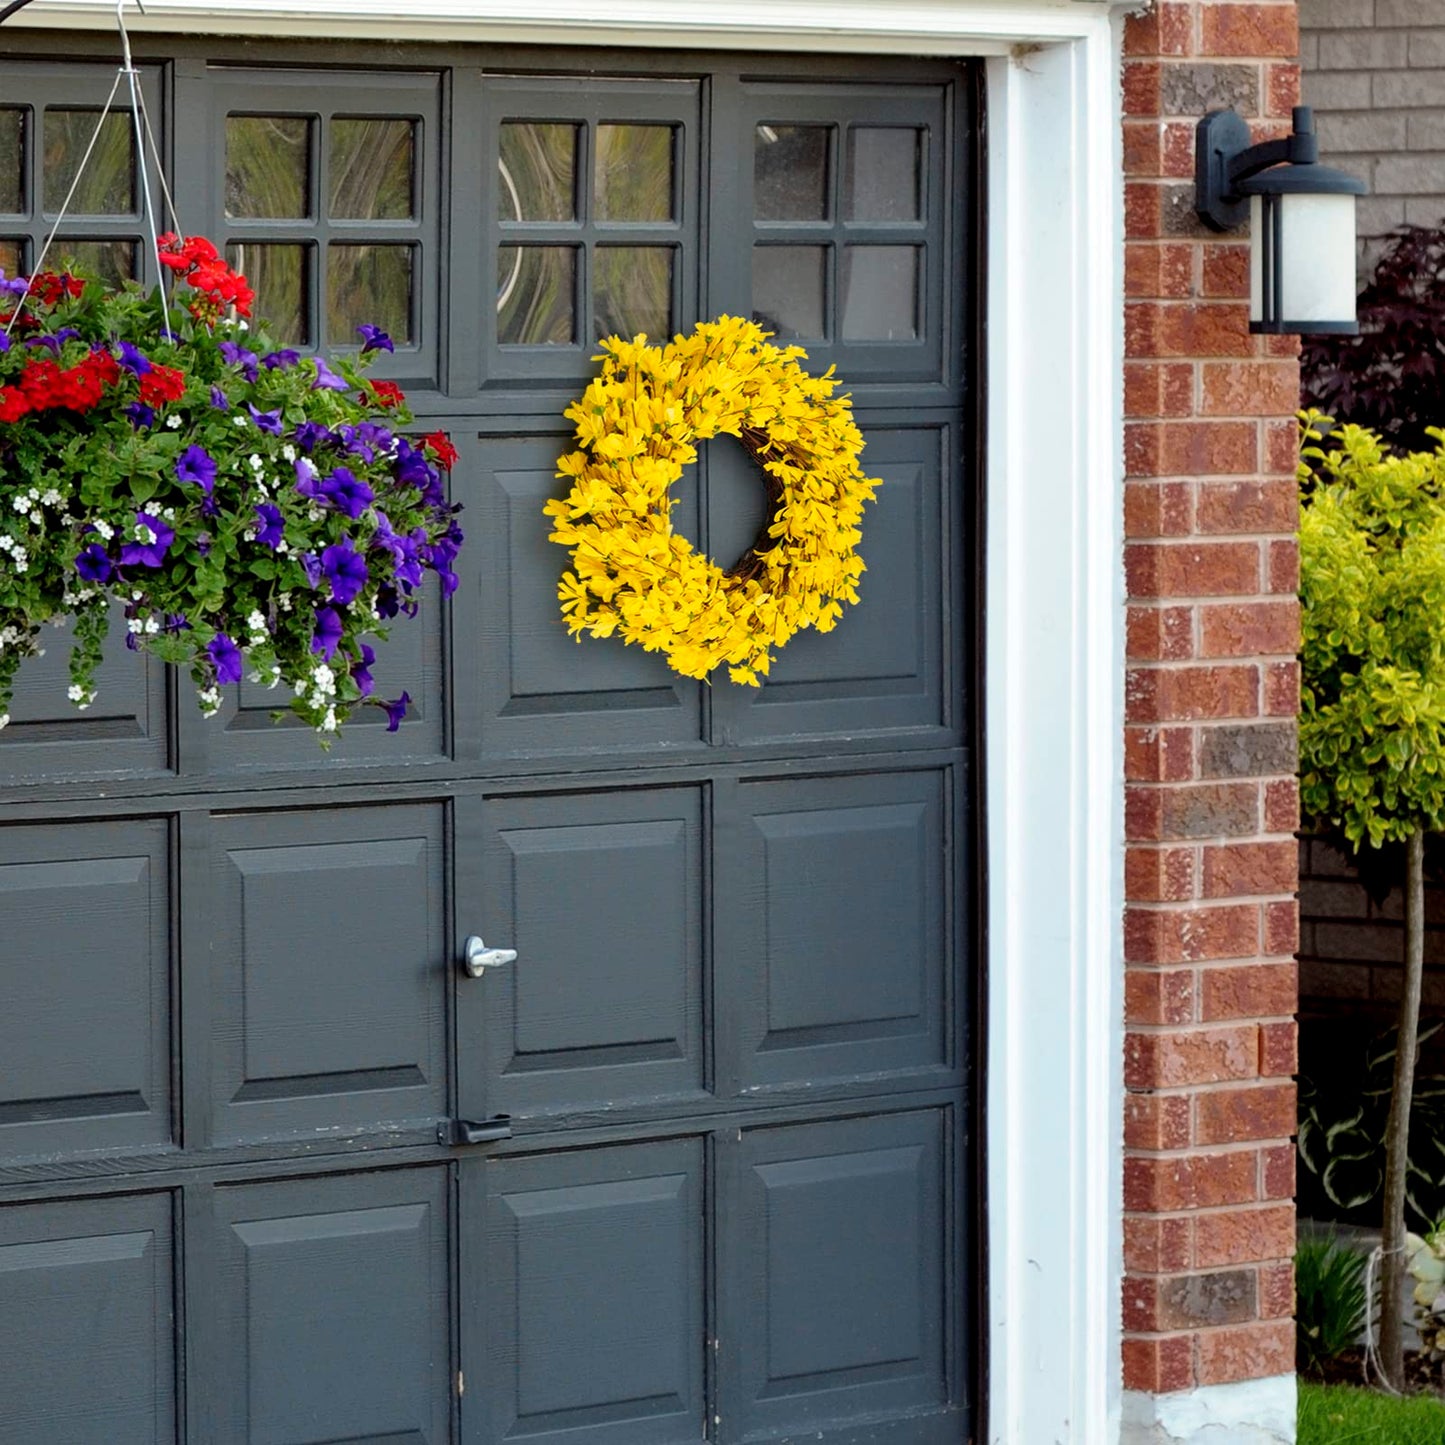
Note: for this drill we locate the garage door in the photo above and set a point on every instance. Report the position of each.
(697, 1165)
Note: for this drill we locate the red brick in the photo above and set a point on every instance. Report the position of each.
(1278, 1049)
(1141, 87)
(1158, 509)
(1276, 1292)
(1226, 272)
(1281, 688)
(1243, 1236)
(1177, 150)
(1281, 927)
(1165, 271)
(1250, 629)
(1141, 210)
(1277, 1170)
(1281, 806)
(1159, 875)
(1157, 388)
(1143, 806)
(1196, 329)
(1193, 1056)
(1159, 1364)
(1249, 388)
(1190, 935)
(1139, 1303)
(1143, 148)
(1208, 448)
(1185, 694)
(1159, 996)
(1168, 1182)
(1249, 991)
(1244, 1352)
(1159, 634)
(1167, 29)
(1281, 447)
(1207, 810)
(1285, 347)
(1252, 30)
(1284, 564)
(1282, 89)
(1191, 569)
(1158, 755)
(1251, 506)
(1232, 1116)
(1155, 1245)
(1235, 869)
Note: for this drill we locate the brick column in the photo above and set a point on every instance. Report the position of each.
(1211, 799)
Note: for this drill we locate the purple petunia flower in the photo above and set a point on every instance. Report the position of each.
(16, 285)
(311, 565)
(175, 622)
(153, 541)
(386, 601)
(308, 482)
(373, 338)
(326, 379)
(395, 711)
(133, 360)
(309, 435)
(345, 569)
(327, 637)
(346, 492)
(94, 563)
(140, 414)
(365, 441)
(283, 358)
(196, 465)
(54, 341)
(238, 356)
(219, 400)
(361, 671)
(225, 657)
(270, 528)
(4, 343)
(267, 421)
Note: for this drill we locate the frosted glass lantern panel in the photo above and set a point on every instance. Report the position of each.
(1317, 258)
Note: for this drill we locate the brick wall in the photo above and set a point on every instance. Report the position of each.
(1211, 800)
(1375, 73)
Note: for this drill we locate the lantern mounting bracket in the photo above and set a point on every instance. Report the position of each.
(1224, 158)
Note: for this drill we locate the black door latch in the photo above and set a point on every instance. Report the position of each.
(467, 1131)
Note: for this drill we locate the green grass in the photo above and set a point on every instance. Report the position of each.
(1344, 1415)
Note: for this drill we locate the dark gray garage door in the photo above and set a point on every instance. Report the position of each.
(235, 1041)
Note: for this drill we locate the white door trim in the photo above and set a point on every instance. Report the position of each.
(1054, 651)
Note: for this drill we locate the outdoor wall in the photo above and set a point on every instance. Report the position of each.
(1211, 800)
(1374, 70)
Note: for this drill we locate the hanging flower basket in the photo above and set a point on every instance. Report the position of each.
(253, 511)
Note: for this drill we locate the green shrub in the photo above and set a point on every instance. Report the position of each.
(1329, 1301)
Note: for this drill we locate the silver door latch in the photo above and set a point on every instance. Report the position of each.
(477, 958)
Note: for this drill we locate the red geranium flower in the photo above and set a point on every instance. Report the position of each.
(388, 393)
(440, 444)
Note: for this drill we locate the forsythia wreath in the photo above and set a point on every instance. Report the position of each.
(638, 425)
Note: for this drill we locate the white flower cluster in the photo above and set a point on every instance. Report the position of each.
(210, 700)
(18, 555)
(79, 696)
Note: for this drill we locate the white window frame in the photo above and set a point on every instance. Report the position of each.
(1054, 653)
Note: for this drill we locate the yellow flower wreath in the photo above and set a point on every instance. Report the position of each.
(637, 427)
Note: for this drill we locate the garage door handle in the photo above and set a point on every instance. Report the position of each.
(477, 958)
(465, 1131)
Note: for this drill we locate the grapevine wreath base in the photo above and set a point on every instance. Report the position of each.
(638, 425)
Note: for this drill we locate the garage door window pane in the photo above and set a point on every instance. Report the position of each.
(12, 257)
(280, 276)
(789, 290)
(107, 186)
(112, 261)
(634, 173)
(369, 284)
(536, 295)
(538, 172)
(790, 172)
(372, 166)
(12, 161)
(268, 166)
(881, 179)
(632, 290)
(880, 293)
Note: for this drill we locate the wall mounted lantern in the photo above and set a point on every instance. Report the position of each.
(1301, 216)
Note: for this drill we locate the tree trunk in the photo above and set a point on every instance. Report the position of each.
(1397, 1131)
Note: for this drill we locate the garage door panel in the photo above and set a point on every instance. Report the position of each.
(334, 1303)
(124, 731)
(85, 975)
(833, 929)
(602, 897)
(87, 1322)
(588, 1311)
(542, 690)
(831, 1244)
(329, 971)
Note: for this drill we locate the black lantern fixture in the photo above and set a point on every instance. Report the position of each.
(1302, 221)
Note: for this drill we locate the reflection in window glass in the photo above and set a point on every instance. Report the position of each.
(633, 178)
(632, 291)
(536, 295)
(538, 172)
(368, 284)
(112, 261)
(790, 172)
(280, 275)
(789, 290)
(371, 169)
(880, 293)
(268, 166)
(12, 257)
(107, 187)
(880, 182)
(12, 161)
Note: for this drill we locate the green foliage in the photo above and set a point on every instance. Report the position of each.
(1344, 1415)
(1425, 1262)
(1329, 1301)
(1372, 588)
